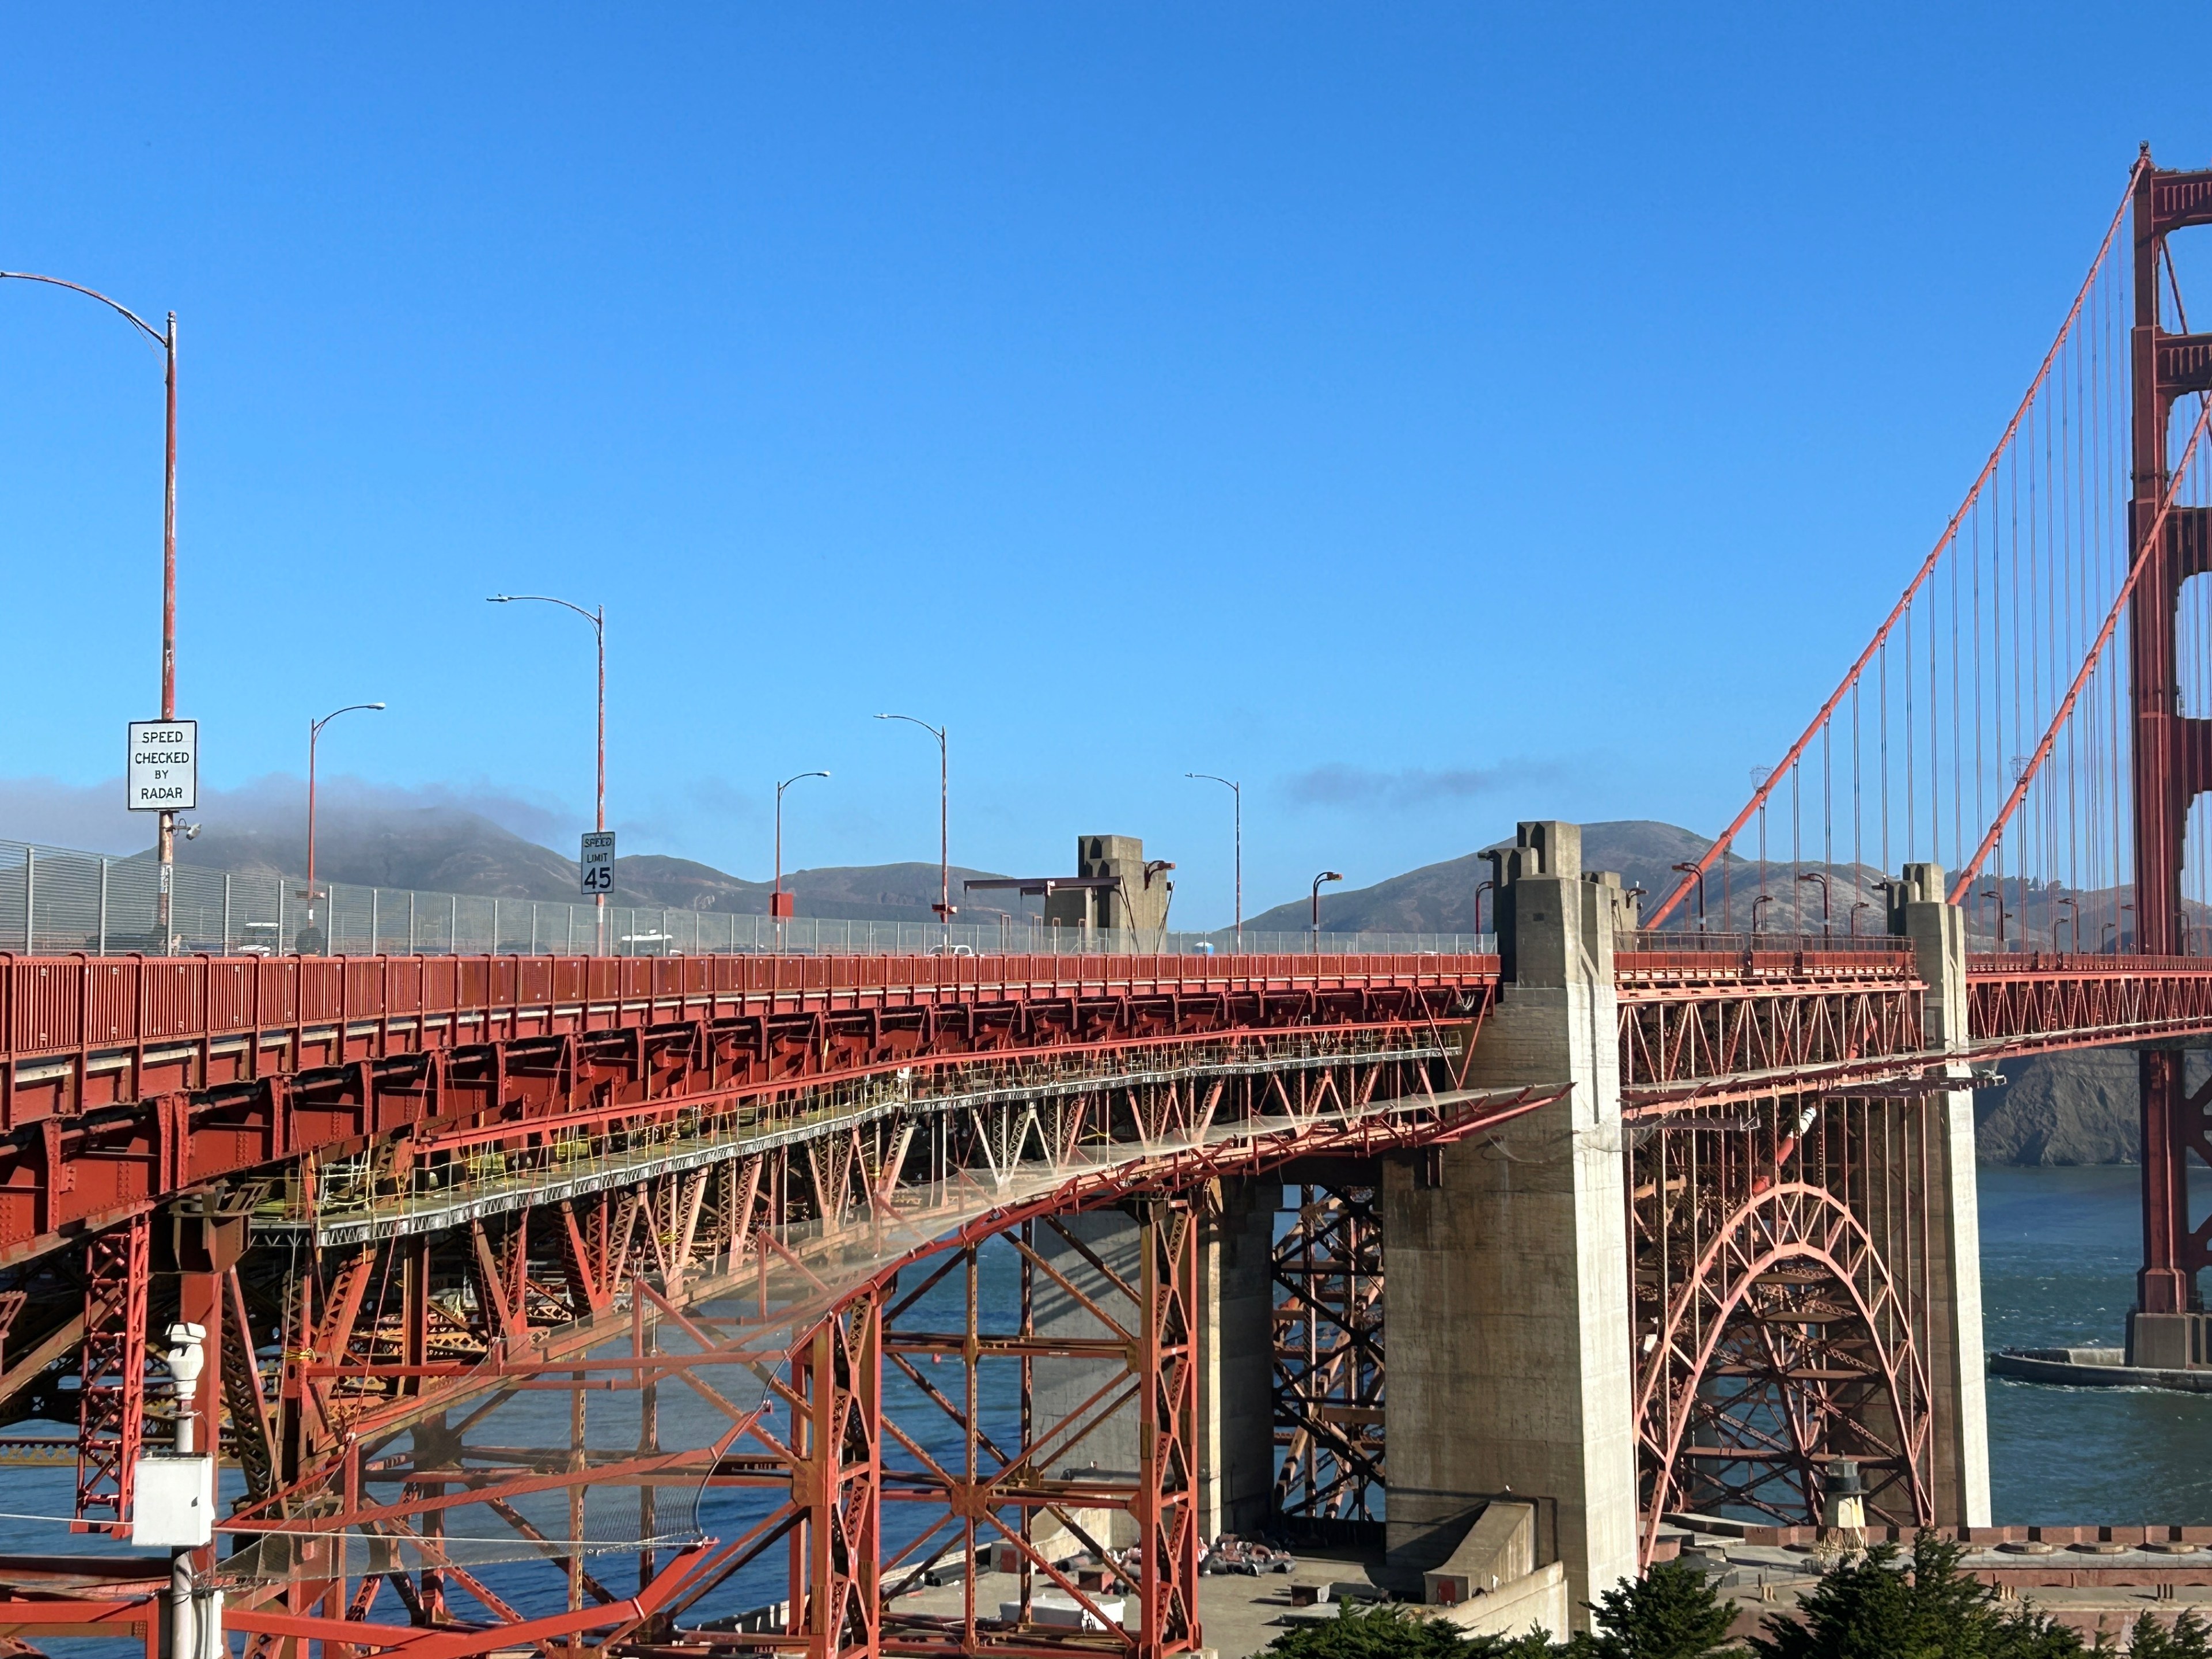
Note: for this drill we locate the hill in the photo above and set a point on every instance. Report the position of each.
(1439, 898)
(447, 848)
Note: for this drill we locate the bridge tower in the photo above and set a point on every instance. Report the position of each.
(2173, 752)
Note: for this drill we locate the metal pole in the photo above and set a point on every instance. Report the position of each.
(314, 734)
(599, 803)
(103, 903)
(166, 836)
(944, 835)
(30, 898)
(411, 921)
(225, 906)
(374, 943)
(165, 839)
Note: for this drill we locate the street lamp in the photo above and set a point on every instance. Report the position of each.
(775, 904)
(165, 840)
(2073, 909)
(1698, 871)
(1997, 894)
(1863, 904)
(1764, 898)
(943, 905)
(598, 619)
(1238, 790)
(1326, 875)
(314, 733)
(1480, 888)
(1814, 875)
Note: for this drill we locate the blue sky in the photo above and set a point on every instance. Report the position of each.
(1433, 416)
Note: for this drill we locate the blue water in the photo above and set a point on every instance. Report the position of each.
(2059, 1252)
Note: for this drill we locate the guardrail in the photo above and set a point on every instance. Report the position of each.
(56, 901)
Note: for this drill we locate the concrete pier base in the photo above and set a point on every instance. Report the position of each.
(1507, 1287)
(1237, 1361)
(1951, 1323)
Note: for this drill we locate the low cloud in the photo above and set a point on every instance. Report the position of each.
(1341, 784)
(91, 816)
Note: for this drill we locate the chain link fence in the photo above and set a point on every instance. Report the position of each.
(55, 900)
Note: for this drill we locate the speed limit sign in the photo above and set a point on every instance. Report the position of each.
(598, 864)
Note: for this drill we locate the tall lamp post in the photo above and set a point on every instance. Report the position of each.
(165, 843)
(775, 904)
(314, 735)
(943, 905)
(1326, 875)
(1237, 790)
(1693, 870)
(1815, 875)
(598, 619)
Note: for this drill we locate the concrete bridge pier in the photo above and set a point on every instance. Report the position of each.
(1507, 1293)
(1959, 1459)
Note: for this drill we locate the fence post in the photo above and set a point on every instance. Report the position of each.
(278, 950)
(533, 927)
(495, 928)
(30, 898)
(225, 905)
(103, 905)
(374, 943)
(411, 921)
(452, 925)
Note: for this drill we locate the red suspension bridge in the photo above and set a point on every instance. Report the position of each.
(721, 1303)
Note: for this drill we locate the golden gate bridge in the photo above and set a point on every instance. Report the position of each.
(517, 1302)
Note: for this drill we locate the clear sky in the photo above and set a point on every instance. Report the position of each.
(1433, 416)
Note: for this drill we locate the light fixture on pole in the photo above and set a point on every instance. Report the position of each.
(944, 906)
(1693, 870)
(1237, 790)
(314, 735)
(598, 619)
(1815, 875)
(778, 905)
(1326, 875)
(165, 841)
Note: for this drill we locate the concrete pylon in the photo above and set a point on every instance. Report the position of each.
(1237, 1360)
(1506, 1298)
(1960, 1465)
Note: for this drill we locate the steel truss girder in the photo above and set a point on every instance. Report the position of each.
(91, 1132)
(1779, 1313)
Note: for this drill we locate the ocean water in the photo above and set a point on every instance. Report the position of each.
(2059, 1252)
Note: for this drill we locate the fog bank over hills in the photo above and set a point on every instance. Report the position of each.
(441, 841)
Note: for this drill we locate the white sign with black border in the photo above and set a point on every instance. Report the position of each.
(161, 773)
(598, 862)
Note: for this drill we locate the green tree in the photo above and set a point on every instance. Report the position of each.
(1395, 1632)
(1878, 1606)
(1673, 1612)
(2191, 1638)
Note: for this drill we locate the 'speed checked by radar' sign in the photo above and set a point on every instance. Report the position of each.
(162, 771)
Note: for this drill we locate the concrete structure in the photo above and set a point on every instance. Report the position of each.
(1132, 895)
(1506, 1294)
(1237, 1361)
(1960, 1464)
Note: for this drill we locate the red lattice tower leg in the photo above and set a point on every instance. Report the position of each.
(1167, 1505)
(112, 1400)
(838, 1482)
